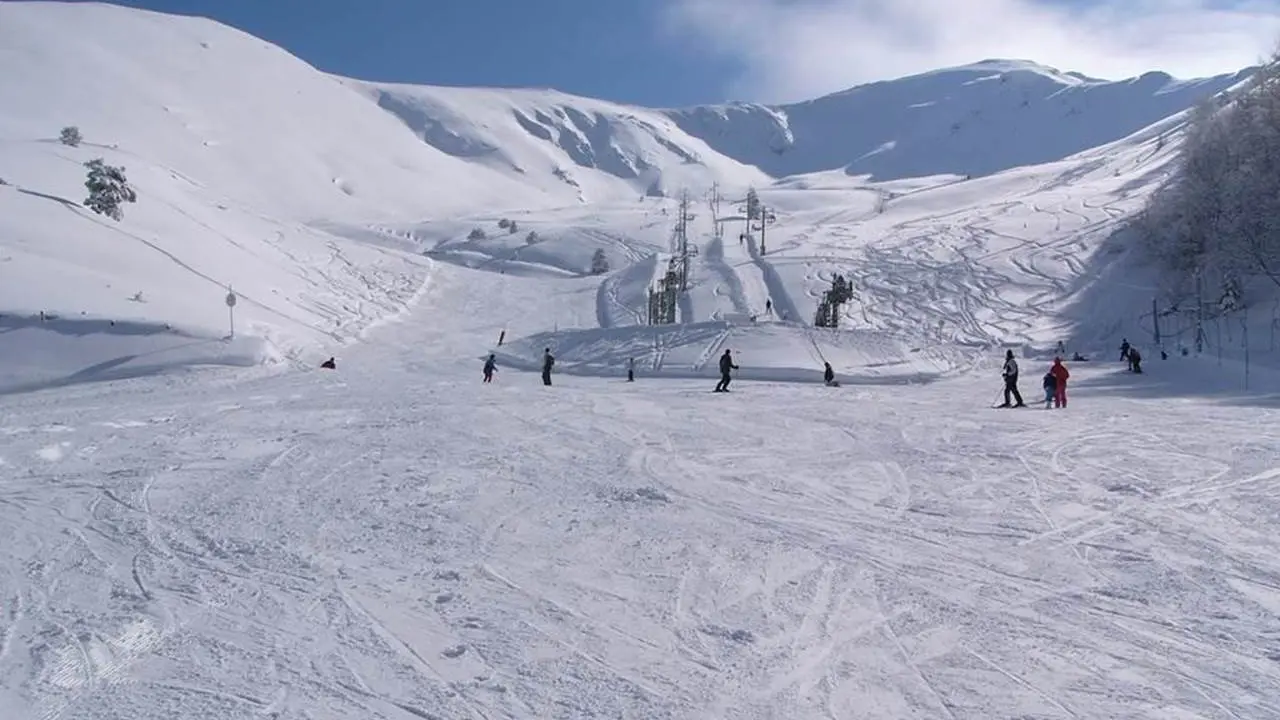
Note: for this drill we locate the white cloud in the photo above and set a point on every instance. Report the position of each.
(799, 49)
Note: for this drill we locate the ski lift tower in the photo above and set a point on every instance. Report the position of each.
(683, 250)
(767, 218)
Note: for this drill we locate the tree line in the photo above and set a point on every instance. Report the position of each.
(1213, 226)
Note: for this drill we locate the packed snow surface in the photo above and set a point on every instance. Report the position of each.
(394, 539)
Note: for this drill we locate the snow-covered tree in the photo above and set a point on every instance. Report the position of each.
(477, 234)
(504, 223)
(1216, 221)
(108, 188)
(532, 238)
(599, 262)
(71, 136)
(512, 229)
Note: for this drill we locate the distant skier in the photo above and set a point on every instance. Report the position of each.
(631, 369)
(1050, 387)
(1135, 360)
(726, 364)
(1124, 349)
(768, 306)
(829, 375)
(1010, 374)
(490, 365)
(548, 361)
(1060, 375)
(329, 364)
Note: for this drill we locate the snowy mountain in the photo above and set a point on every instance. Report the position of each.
(393, 539)
(971, 120)
(243, 157)
(313, 196)
(602, 150)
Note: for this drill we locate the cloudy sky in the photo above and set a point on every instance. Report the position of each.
(792, 49)
(680, 52)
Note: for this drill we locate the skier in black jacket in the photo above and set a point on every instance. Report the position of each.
(1010, 373)
(547, 362)
(726, 364)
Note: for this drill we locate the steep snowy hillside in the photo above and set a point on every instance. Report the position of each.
(242, 156)
(600, 149)
(971, 120)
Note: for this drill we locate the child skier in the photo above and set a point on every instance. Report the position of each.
(1050, 387)
(489, 366)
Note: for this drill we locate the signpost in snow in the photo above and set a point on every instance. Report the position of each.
(231, 310)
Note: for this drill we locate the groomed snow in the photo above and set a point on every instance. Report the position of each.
(395, 540)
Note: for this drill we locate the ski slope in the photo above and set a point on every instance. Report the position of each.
(312, 196)
(396, 540)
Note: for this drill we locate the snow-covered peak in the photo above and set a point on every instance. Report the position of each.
(974, 119)
(600, 150)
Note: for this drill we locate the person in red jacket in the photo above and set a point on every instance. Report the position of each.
(1059, 372)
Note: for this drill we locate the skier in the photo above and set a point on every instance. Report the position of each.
(726, 364)
(768, 306)
(1135, 360)
(329, 364)
(1010, 373)
(490, 365)
(1060, 374)
(1050, 387)
(1124, 349)
(547, 362)
(631, 369)
(829, 375)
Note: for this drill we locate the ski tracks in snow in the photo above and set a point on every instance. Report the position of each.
(407, 546)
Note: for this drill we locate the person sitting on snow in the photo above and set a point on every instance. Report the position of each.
(329, 364)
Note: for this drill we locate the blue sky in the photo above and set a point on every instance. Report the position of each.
(682, 52)
(615, 49)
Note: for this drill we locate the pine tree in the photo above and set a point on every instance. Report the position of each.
(599, 262)
(108, 188)
(71, 136)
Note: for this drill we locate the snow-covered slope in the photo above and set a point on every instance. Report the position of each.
(241, 154)
(600, 149)
(970, 120)
(314, 197)
(397, 541)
